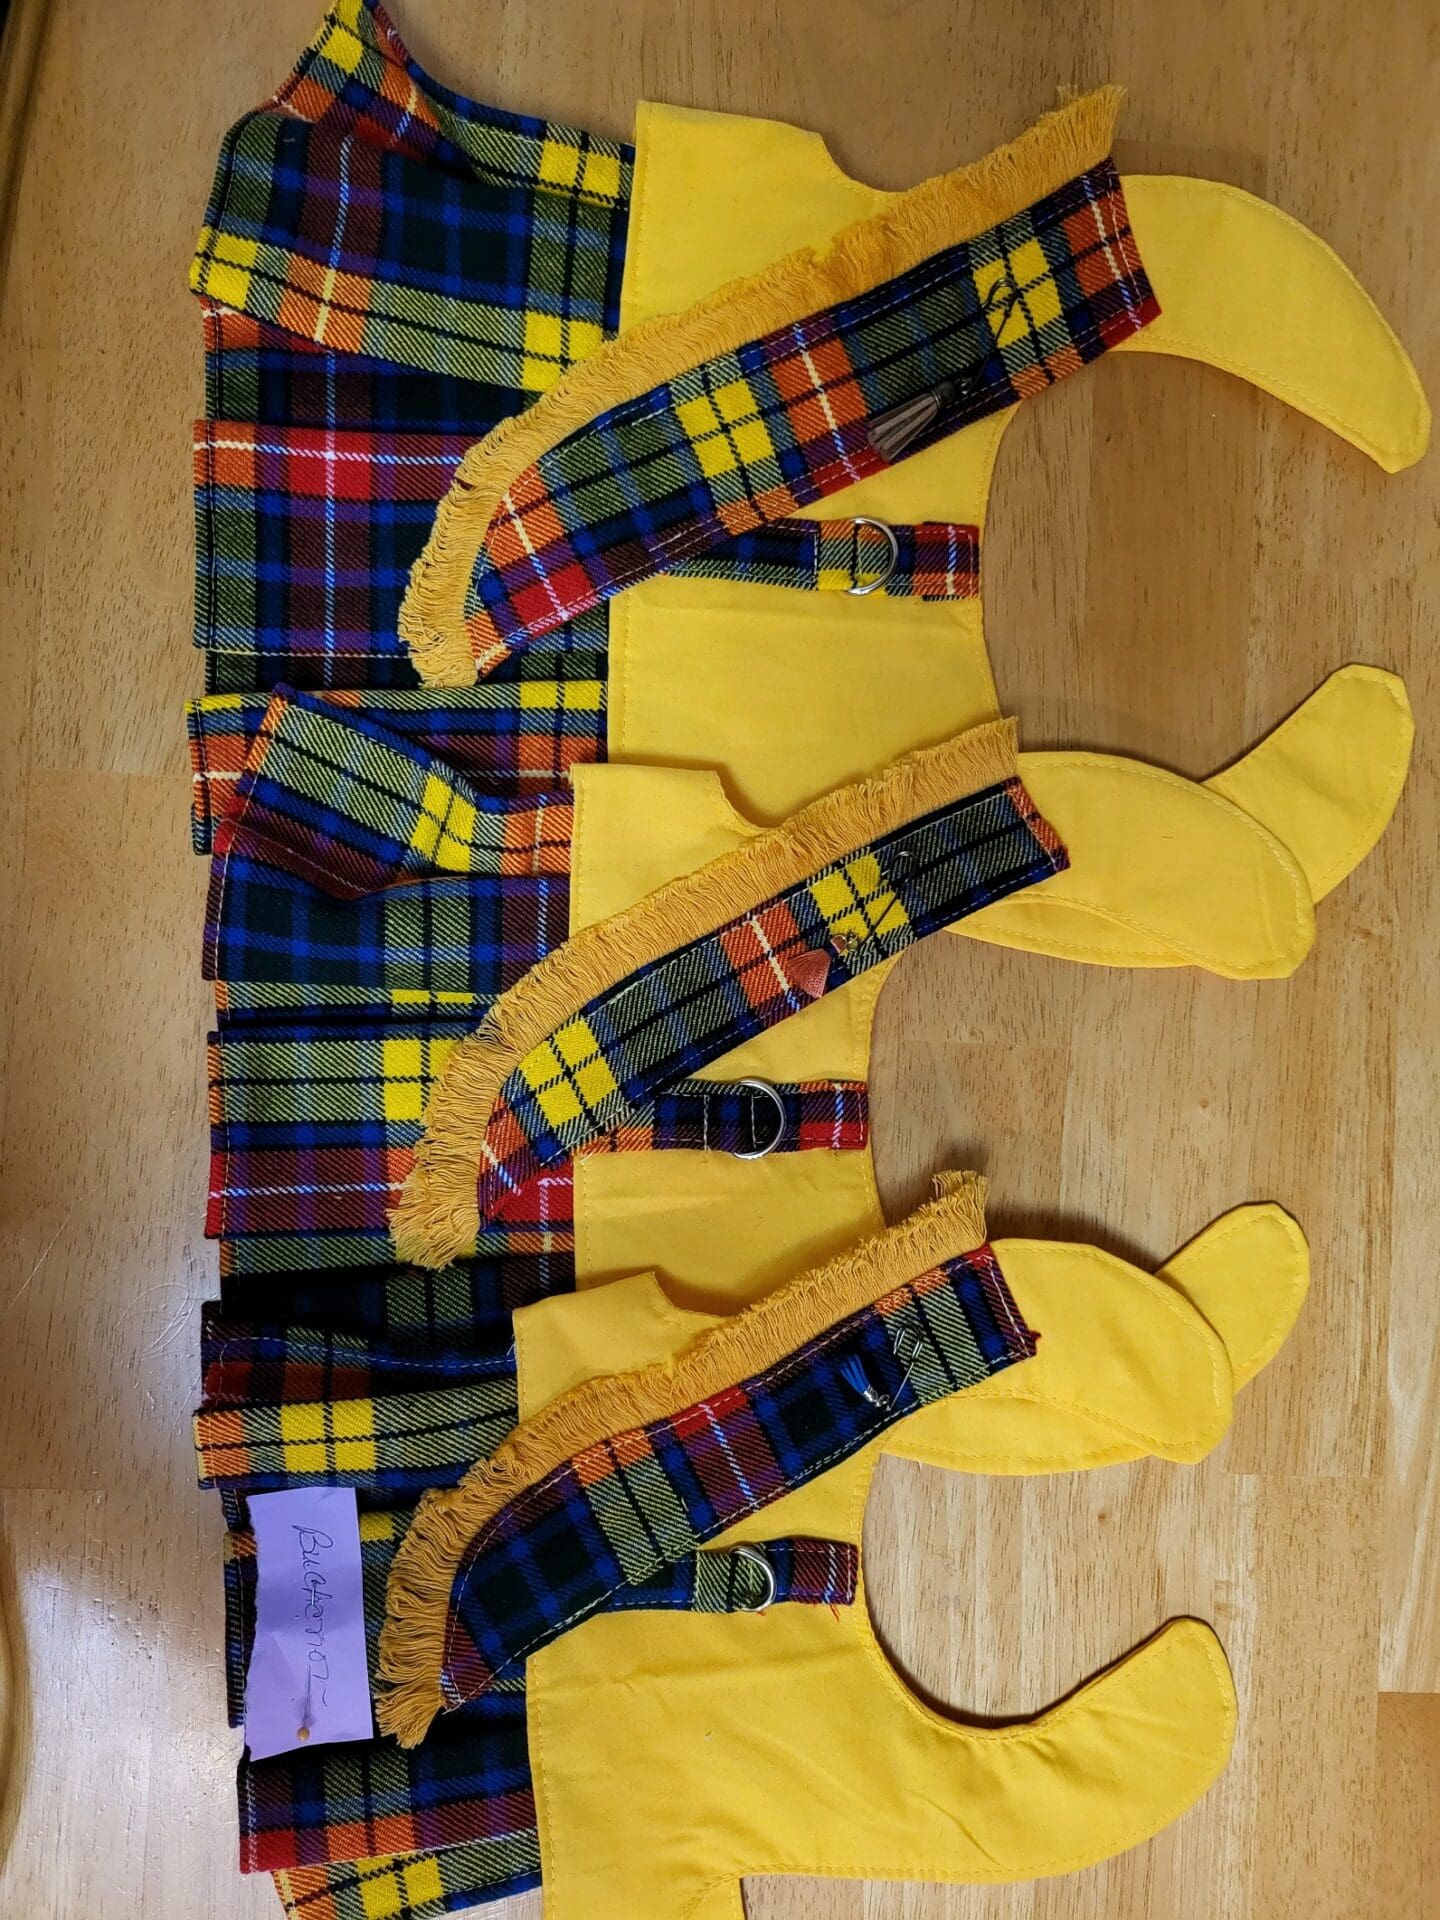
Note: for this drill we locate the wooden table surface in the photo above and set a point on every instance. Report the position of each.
(1175, 561)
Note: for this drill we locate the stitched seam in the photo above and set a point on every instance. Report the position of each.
(944, 1872)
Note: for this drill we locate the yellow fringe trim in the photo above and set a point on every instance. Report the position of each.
(437, 1217)
(937, 214)
(413, 1638)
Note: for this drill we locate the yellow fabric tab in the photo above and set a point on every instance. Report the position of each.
(1244, 287)
(723, 1231)
(1162, 872)
(1327, 780)
(1129, 1363)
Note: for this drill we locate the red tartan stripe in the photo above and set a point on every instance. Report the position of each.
(494, 1817)
(318, 463)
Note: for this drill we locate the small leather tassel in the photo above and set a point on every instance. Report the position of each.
(891, 432)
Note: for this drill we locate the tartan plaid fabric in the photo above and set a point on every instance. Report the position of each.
(304, 540)
(678, 1013)
(341, 801)
(748, 437)
(931, 560)
(367, 211)
(313, 1129)
(807, 1572)
(624, 1507)
(352, 857)
(503, 736)
(256, 372)
(245, 1003)
(416, 1886)
(305, 536)
(395, 1442)
(244, 1362)
(424, 1306)
(468, 1787)
(524, 1252)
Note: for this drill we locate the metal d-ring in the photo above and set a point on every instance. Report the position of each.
(762, 1560)
(759, 1153)
(892, 559)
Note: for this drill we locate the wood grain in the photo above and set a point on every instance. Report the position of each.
(1174, 562)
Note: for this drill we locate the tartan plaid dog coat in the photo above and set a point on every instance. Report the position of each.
(387, 274)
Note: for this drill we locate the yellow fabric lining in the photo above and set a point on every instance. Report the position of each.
(751, 1725)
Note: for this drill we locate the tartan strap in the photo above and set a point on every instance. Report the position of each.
(313, 1130)
(928, 560)
(555, 1069)
(577, 1505)
(351, 806)
(920, 340)
(796, 1570)
(469, 1785)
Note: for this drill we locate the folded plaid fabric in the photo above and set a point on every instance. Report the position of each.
(384, 258)
(305, 536)
(246, 1003)
(351, 856)
(621, 1476)
(248, 1361)
(313, 1132)
(256, 372)
(921, 338)
(514, 228)
(414, 1886)
(340, 800)
(554, 1070)
(396, 1443)
(505, 737)
(418, 1306)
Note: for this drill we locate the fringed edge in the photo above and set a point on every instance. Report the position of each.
(939, 213)
(437, 1216)
(413, 1637)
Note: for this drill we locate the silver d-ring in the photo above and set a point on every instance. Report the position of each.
(761, 1560)
(892, 559)
(759, 1153)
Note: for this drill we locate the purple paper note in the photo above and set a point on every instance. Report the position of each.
(308, 1683)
